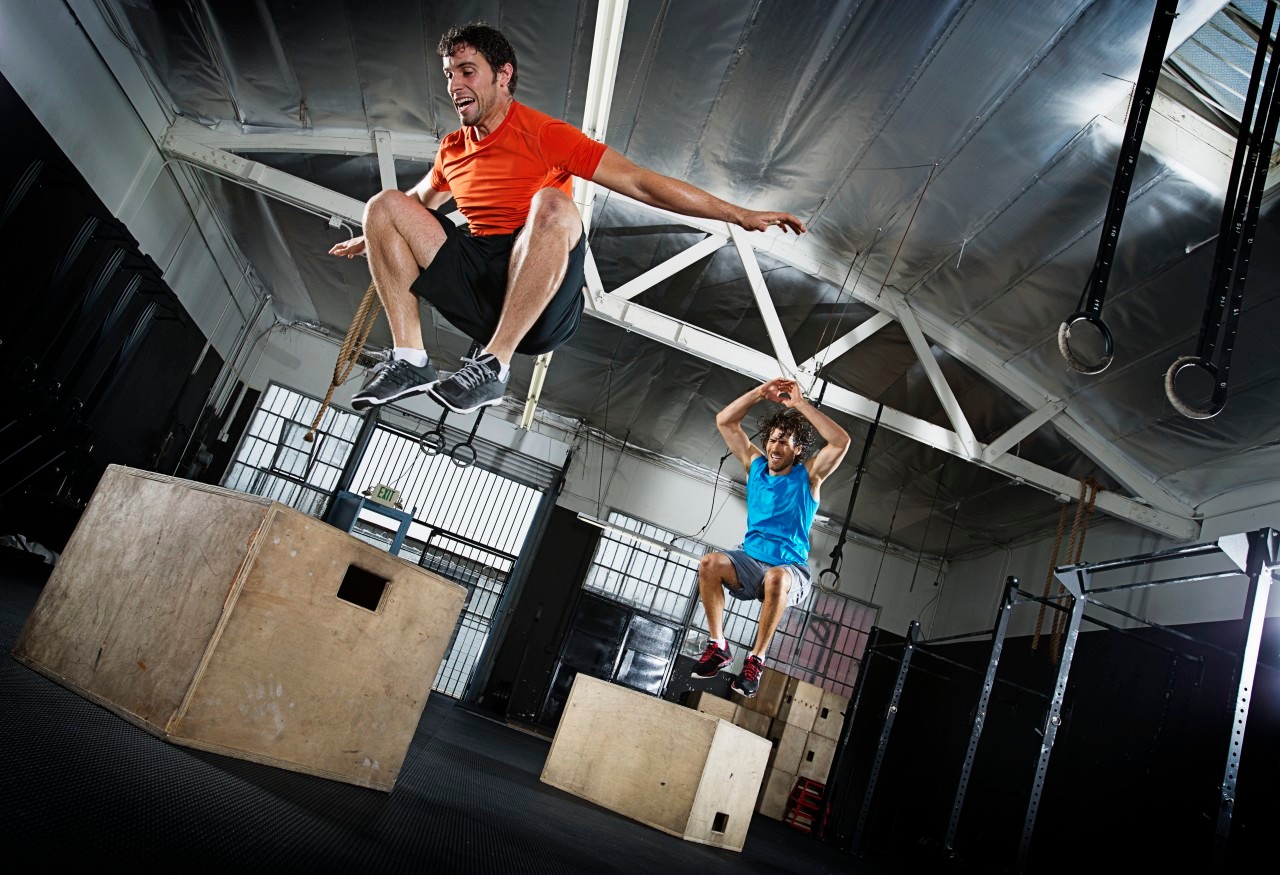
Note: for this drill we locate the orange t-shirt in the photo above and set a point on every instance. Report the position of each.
(494, 179)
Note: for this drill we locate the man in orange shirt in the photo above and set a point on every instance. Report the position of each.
(514, 284)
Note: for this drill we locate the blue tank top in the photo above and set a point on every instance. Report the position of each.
(779, 513)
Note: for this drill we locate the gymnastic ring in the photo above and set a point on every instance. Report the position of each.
(1064, 346)
(459, 460)
(431, 443)
(835, 584)
(1217, 402)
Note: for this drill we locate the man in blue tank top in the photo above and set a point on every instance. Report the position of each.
(782, 497)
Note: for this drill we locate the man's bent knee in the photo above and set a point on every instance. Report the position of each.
(717, 567)
(383, 205)
(777, 580)
(551, 208)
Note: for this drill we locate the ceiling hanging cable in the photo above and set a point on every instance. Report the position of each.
(928, 522)
(884, 551)
(1236, 233)
(933, 168)
(1089, 308)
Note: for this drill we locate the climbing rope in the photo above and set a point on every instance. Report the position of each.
(352, 346)
(1075, 548)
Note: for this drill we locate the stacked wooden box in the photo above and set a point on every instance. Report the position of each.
(801, 721)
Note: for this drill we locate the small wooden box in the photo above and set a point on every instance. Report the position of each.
(768, 697)
(788, 741)
(684, 772)
(752, 721)
(830, 719)
(709, 703)
(815, 759)
(800, 704)
(774, 793)
(225, 622)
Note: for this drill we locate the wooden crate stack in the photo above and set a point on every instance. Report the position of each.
(802, 722)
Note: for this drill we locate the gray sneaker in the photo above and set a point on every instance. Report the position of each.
(392, 380)
(476, 385)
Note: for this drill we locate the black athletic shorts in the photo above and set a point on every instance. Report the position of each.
(467, 282)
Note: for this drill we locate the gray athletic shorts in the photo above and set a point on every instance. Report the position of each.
(751, 578)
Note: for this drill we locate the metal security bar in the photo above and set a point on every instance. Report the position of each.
(469, 523)
(272, 459)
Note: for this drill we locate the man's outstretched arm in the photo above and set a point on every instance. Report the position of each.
(618, 173)
(729, 421)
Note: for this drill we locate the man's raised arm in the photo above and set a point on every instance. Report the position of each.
(729, 422)
(830, 456)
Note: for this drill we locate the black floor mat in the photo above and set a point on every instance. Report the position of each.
(83, 786)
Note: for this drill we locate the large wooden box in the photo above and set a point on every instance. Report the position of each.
(682, 771)
(226, 622)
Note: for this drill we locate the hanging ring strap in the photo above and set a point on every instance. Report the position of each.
(837, 552)
(1090, 307)
(1235, 238)
(432, 442)
(464, 454)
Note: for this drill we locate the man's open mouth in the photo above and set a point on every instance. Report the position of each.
(462, 103)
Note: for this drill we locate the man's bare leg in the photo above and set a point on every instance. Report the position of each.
(539, 261)
(777, 587)
(715, 572)
(401, 238)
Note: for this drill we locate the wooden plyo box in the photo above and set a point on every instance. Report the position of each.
(800, 704)
(753, 722)
(774, 793)
(214, 620)
(768, 698)
(788, 743)
(816, 758)
(711, 704)
(684, 772)
(830, 719)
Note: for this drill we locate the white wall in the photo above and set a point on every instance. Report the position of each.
(976, 584)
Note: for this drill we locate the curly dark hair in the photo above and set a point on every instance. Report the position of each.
(791, 423)
(487, 41)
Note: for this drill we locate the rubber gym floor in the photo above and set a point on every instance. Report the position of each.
(83, 786)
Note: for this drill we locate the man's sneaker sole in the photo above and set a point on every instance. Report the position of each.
(734, 686)
(707, 677)
(359, 404)
(443, 403)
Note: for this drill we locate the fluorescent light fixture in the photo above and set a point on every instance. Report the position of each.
(636, 536)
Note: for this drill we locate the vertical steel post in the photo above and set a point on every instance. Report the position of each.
(1076, 581)
(980, 712)
(913, 637)
(1262, 557)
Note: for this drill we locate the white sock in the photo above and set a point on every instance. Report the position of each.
(415, 357)
(718, 642)
(502, 375)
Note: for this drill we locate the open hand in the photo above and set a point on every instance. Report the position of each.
(756, 220)
(350, 248)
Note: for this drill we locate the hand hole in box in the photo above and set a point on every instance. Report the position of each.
(362, 588)
(720, 823)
